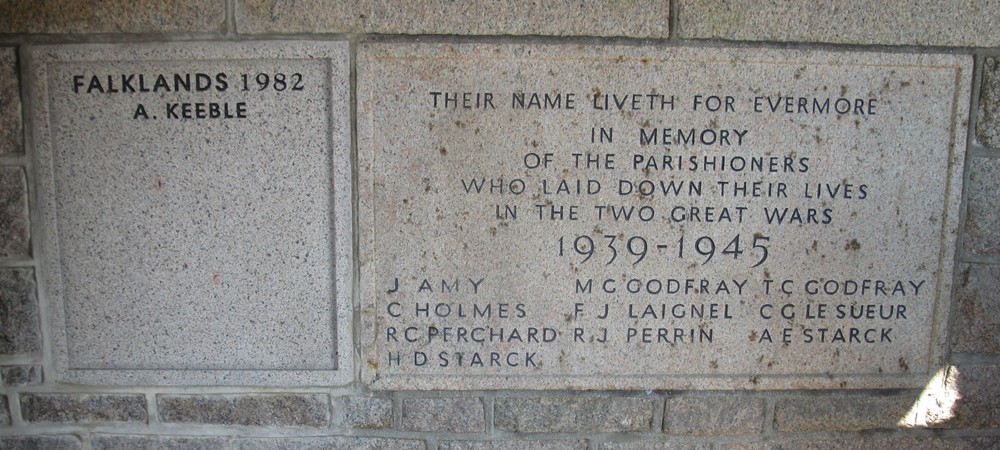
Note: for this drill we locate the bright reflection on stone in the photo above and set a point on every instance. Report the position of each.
(937, 401)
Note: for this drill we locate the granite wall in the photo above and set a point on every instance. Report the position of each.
(960, 408)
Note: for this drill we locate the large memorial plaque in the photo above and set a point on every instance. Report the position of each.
(196, 206)
(557, 216)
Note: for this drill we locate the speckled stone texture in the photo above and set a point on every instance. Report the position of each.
(641, 18)
(713, 415)
(849, 412)
(444, 415)
(261, 410)
(978, 405)
(486, 215)
(40, 443)
(21, 375)
(868, 443)
(988, 126)
(960, 23)
(336, 442)
(653, 445)
(114, 16)
(14, 224)
(978, 309)
(83, 408)
(190, 242)
(19, 326)
(4, 411)
(569, 415)
(366, 413)
(126, 442)
(10, 102)
(982, 218)
(513, 445)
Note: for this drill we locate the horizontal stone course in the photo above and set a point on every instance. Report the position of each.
(83, 408)
(958, 23)
(452, 415)
(21, 375)
(335, 442)
(988, 126)
(841, 412)
(641, 18)
(978, 309)
(19, 332)
(364, 412)
(126, 442)
(982, 218)
(577, 414)
(868, 443)
(512, 444)
(713, 415)
(40, 443)
(14, 228)
(115, 16)
(654, 446)
(262, 410)
(10, 101)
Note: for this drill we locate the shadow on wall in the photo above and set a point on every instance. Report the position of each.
(956, 397)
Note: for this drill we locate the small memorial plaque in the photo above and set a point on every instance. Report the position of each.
(196, 206)
(592, 217)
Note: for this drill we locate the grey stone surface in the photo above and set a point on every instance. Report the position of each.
(329, 443)
(19, 332)
(890, 442)
(40, 443)
(641, 18)
(83, 408)
(978, 314)
(960, 23)
(21, 375)
(575, 414)
(367, 413)
(654, 446)
(14, 224)
(848, 412)
(261, 410)
(982, 218)
(187, 247)
(128, 442)
(513, 445)
(4, 410)
(713, 415)
(988, 126)
(114, 16)
(452, 249)
(10, 102)
(444, 415)
(978, 402)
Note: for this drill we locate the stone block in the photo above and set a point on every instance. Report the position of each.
(335, 442)
(444, 415)
(512, 444)
(654, 446)
(4, 410)
(988, 126)
(83, 408)
(959, 23)
(10, 100)
(887, 442)
(19, 332)
(40, 443)
(713, 415)
(260, 410)
(185, 247)
(842, 412)
(369, 413)
(574, 414)
(115, 16)
(642, 18)
(978, 314)
(982, 218)
(978, 402)
(21, 375)
(527, 170)
(127, 442)
(14, 224)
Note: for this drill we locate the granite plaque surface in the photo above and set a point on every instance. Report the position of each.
(592, 217)
(196, 208)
